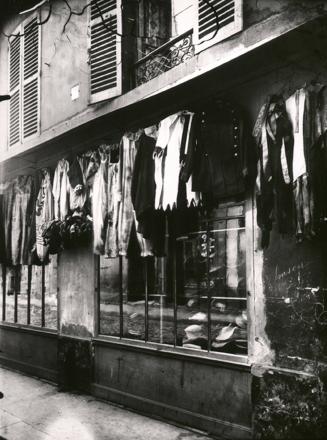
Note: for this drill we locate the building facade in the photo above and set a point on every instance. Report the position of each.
(224, 329)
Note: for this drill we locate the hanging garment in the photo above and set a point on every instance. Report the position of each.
(21, 219)
(7, 196)
(81, 174)
(315, 123)
(275, 174)
(100, 205)
(61, 188)
(89, 163)
(301, 108)
(223, 157)
(111, 243)
(170, 138)
(304, 210)
(295, 107)
(193, 198)
(145, 244)
(318, 181)
(143, 184)
(159, 157)
(77, 193)
(44, 213)
(321, 111)
(126, 215)
(2, 232)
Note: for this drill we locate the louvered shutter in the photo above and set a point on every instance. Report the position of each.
(14, 87)
(105, 50)
(226, 15)
(31, 69)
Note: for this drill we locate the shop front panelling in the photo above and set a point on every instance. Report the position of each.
(30, 351)
(208, 395)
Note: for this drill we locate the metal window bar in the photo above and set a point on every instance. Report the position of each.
(29, 285)
(175, 294)
(16, 297)
(4, 271)
(208, 286)
(121, 299)
(43, 297)
(98, 292)
(146, 304)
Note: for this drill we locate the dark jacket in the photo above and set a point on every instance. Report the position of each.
(143, 184)
(222, 161)
(274, 196)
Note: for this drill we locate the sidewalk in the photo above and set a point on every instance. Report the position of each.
(34, 410)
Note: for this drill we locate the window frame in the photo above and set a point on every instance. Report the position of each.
(28, 325)
(224, 33)
(231, 358)
(23, 82)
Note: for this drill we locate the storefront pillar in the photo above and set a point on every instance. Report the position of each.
(76, 310)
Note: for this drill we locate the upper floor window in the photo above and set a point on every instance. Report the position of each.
(24, 83)
(195, 25)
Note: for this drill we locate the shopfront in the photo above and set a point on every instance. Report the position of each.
(153, 264)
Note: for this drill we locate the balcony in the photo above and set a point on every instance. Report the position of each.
(171, 54)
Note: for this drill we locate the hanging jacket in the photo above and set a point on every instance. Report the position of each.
(274, 138)
(7, 195)
(222, 156)
(21, 219)
(128, 148)
(143, 184)
(100, 204)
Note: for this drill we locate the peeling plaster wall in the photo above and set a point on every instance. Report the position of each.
(76, 283)
(256, 11)
(289, 343)
(284, 324)
(64, 64)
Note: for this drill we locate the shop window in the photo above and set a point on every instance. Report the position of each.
(216, 20)
(105, 31)
(29, 295)
(24, 79)
(194, 297)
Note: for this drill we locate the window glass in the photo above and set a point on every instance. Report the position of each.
(22, 296)
(134, 296)
(12, 282)
(51, 284)
(109, 279)
(160, 304)
(36, 296)
(211, 284)
(193, 297)
(1, 295)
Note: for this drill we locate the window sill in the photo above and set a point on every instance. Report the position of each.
(28, 328)
(238, 362)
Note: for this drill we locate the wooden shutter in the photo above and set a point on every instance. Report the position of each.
(31, 69)
(14, 87)
(230, 21)
(105, 50)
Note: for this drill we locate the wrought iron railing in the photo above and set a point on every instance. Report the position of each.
(171, 54)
